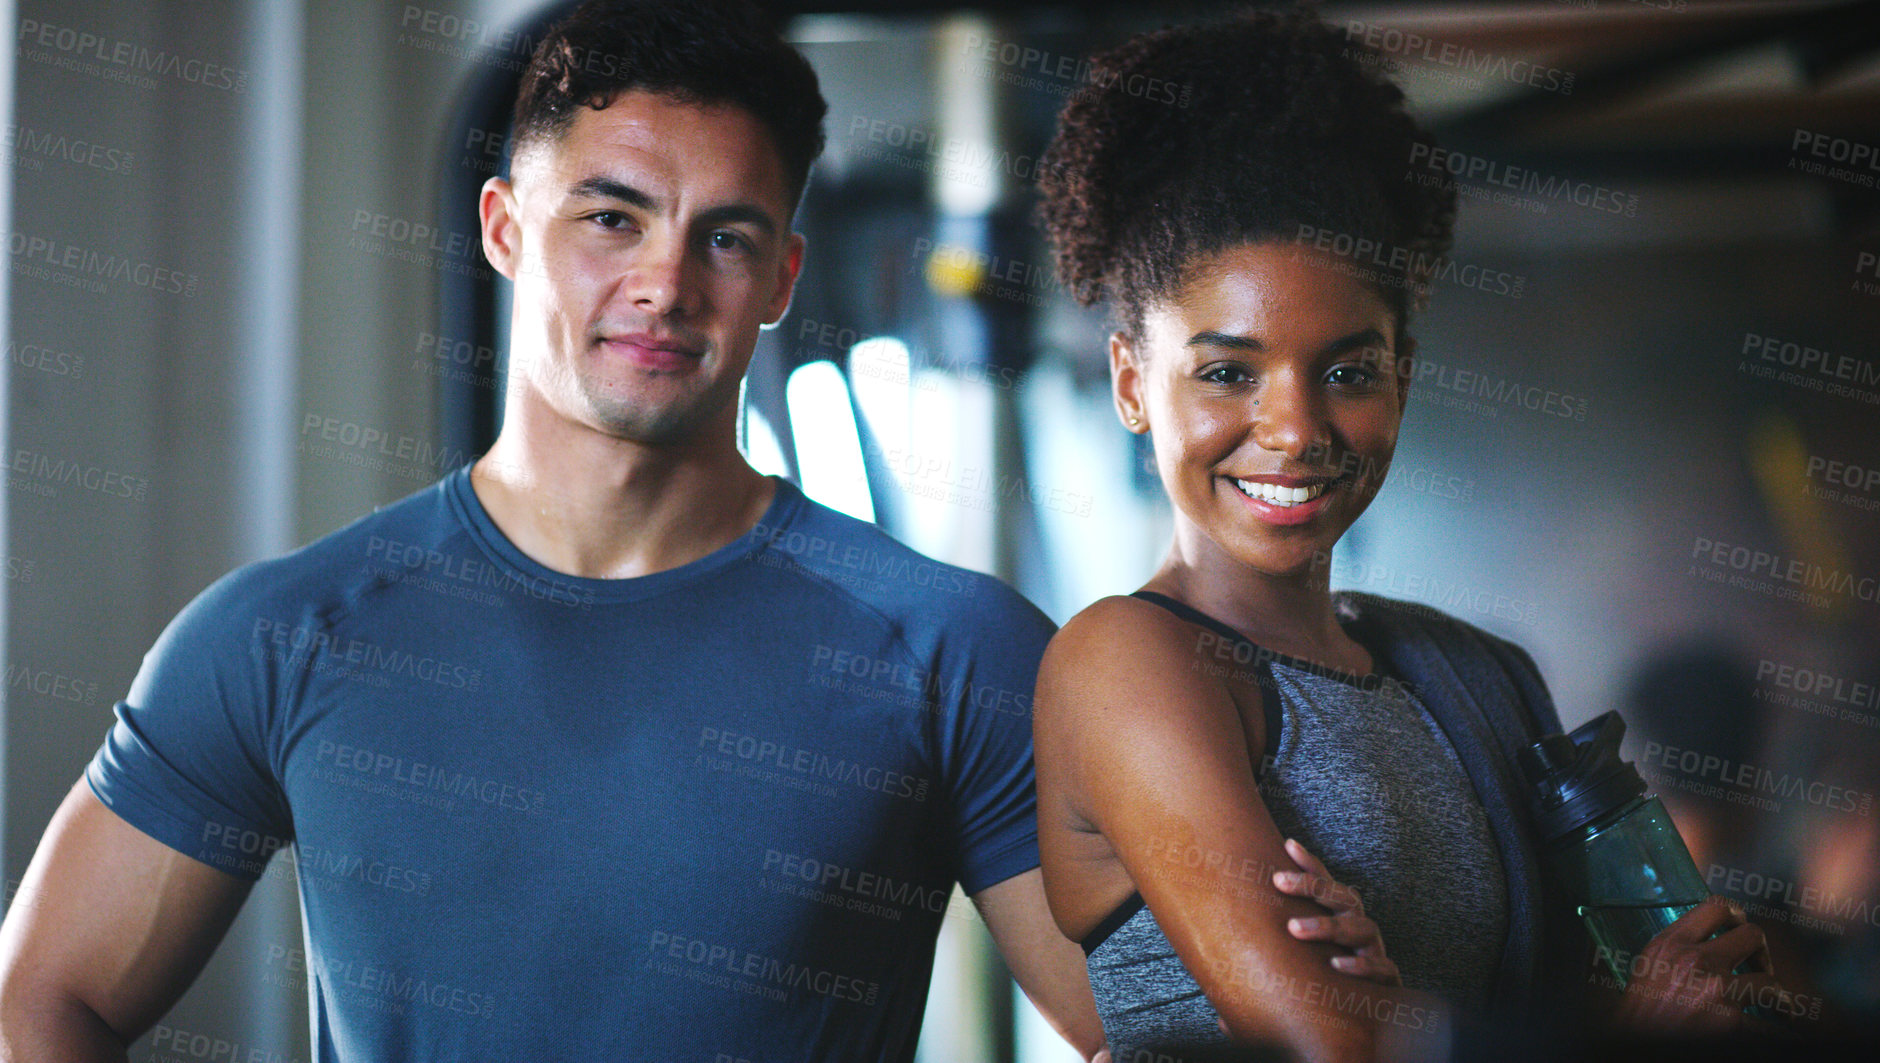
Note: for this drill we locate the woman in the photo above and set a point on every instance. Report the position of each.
(1186, 731)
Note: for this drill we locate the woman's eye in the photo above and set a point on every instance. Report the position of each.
(1352, 376)
(1226, 374)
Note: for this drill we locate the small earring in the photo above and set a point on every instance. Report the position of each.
(1134, 421)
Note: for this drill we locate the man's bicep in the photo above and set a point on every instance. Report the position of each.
(110, 919)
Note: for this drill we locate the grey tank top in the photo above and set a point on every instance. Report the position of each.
(1356, 769)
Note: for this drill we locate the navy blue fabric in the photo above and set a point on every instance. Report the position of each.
(713, 812)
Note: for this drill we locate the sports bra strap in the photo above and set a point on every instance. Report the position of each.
(1113, 922)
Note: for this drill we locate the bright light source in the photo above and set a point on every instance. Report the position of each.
(879, 374)
(762, 448)
(828, 447)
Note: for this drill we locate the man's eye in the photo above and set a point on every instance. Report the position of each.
(726, 240)
(609, 219)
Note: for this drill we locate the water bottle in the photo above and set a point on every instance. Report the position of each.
(1608, 844)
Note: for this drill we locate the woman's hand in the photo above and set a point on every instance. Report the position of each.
(1680, 982)
(1347, 926)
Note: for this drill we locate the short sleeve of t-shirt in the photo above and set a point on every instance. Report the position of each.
(985, 737)
(187, 761)
(193, 757)
(973, 645)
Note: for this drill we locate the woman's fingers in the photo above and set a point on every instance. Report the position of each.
(1304, 857)
(1346, 925)
(1713, 914)
(1319, 887)
(1681, 979)
(1380, 969)
(1352, 930)
(1740, 945)
(1689, 940)
(1730, 949)
(1331, 893)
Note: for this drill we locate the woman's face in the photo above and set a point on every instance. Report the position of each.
(1273, 389)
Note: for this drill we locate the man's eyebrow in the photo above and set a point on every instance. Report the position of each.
(598, 187)
(748, 213)
(601, 187)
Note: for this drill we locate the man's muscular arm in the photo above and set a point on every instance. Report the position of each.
(1048, 966)
(107, 930)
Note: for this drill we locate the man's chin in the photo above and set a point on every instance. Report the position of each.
(672, 424)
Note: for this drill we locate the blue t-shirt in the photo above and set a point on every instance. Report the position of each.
(715, 812)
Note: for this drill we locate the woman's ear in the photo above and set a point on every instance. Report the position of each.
(1126, 383)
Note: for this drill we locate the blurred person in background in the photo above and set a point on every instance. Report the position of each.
(1699, 695)
(1807, 870)
(1263, 251)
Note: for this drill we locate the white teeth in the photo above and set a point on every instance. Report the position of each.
(1273, 494)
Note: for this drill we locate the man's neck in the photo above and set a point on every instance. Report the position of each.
(587, 504)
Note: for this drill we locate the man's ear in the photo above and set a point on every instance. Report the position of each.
(787, 270)
(499, 216)
(1405, 368)
(1126, 384)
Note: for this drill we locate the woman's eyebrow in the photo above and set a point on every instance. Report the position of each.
(1368, 337)
(1222, 339)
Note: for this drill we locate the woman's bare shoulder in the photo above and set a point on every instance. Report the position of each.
(1121, 655)
(1120, 629)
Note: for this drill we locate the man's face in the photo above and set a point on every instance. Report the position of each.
(647, 248)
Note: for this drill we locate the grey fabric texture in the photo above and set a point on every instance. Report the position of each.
(1368, 782)
(1488, 698)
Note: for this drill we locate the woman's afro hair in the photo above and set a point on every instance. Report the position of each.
(1267, 126)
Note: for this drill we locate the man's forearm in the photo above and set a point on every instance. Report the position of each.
(1063, 997)
(1047, 966)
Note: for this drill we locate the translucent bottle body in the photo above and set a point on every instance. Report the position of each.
(1629, 876)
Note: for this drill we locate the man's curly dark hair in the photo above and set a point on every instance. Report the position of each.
(1278, 127)
(703, 51)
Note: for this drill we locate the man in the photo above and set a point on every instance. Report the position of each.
(607, 747)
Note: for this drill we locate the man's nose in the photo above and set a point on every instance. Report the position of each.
(656, 276)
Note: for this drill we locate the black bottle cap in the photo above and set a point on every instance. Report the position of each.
(1578, 777)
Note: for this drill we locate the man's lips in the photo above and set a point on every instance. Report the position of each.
(646, 351)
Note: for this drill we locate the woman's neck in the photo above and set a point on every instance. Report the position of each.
(1291, 613)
